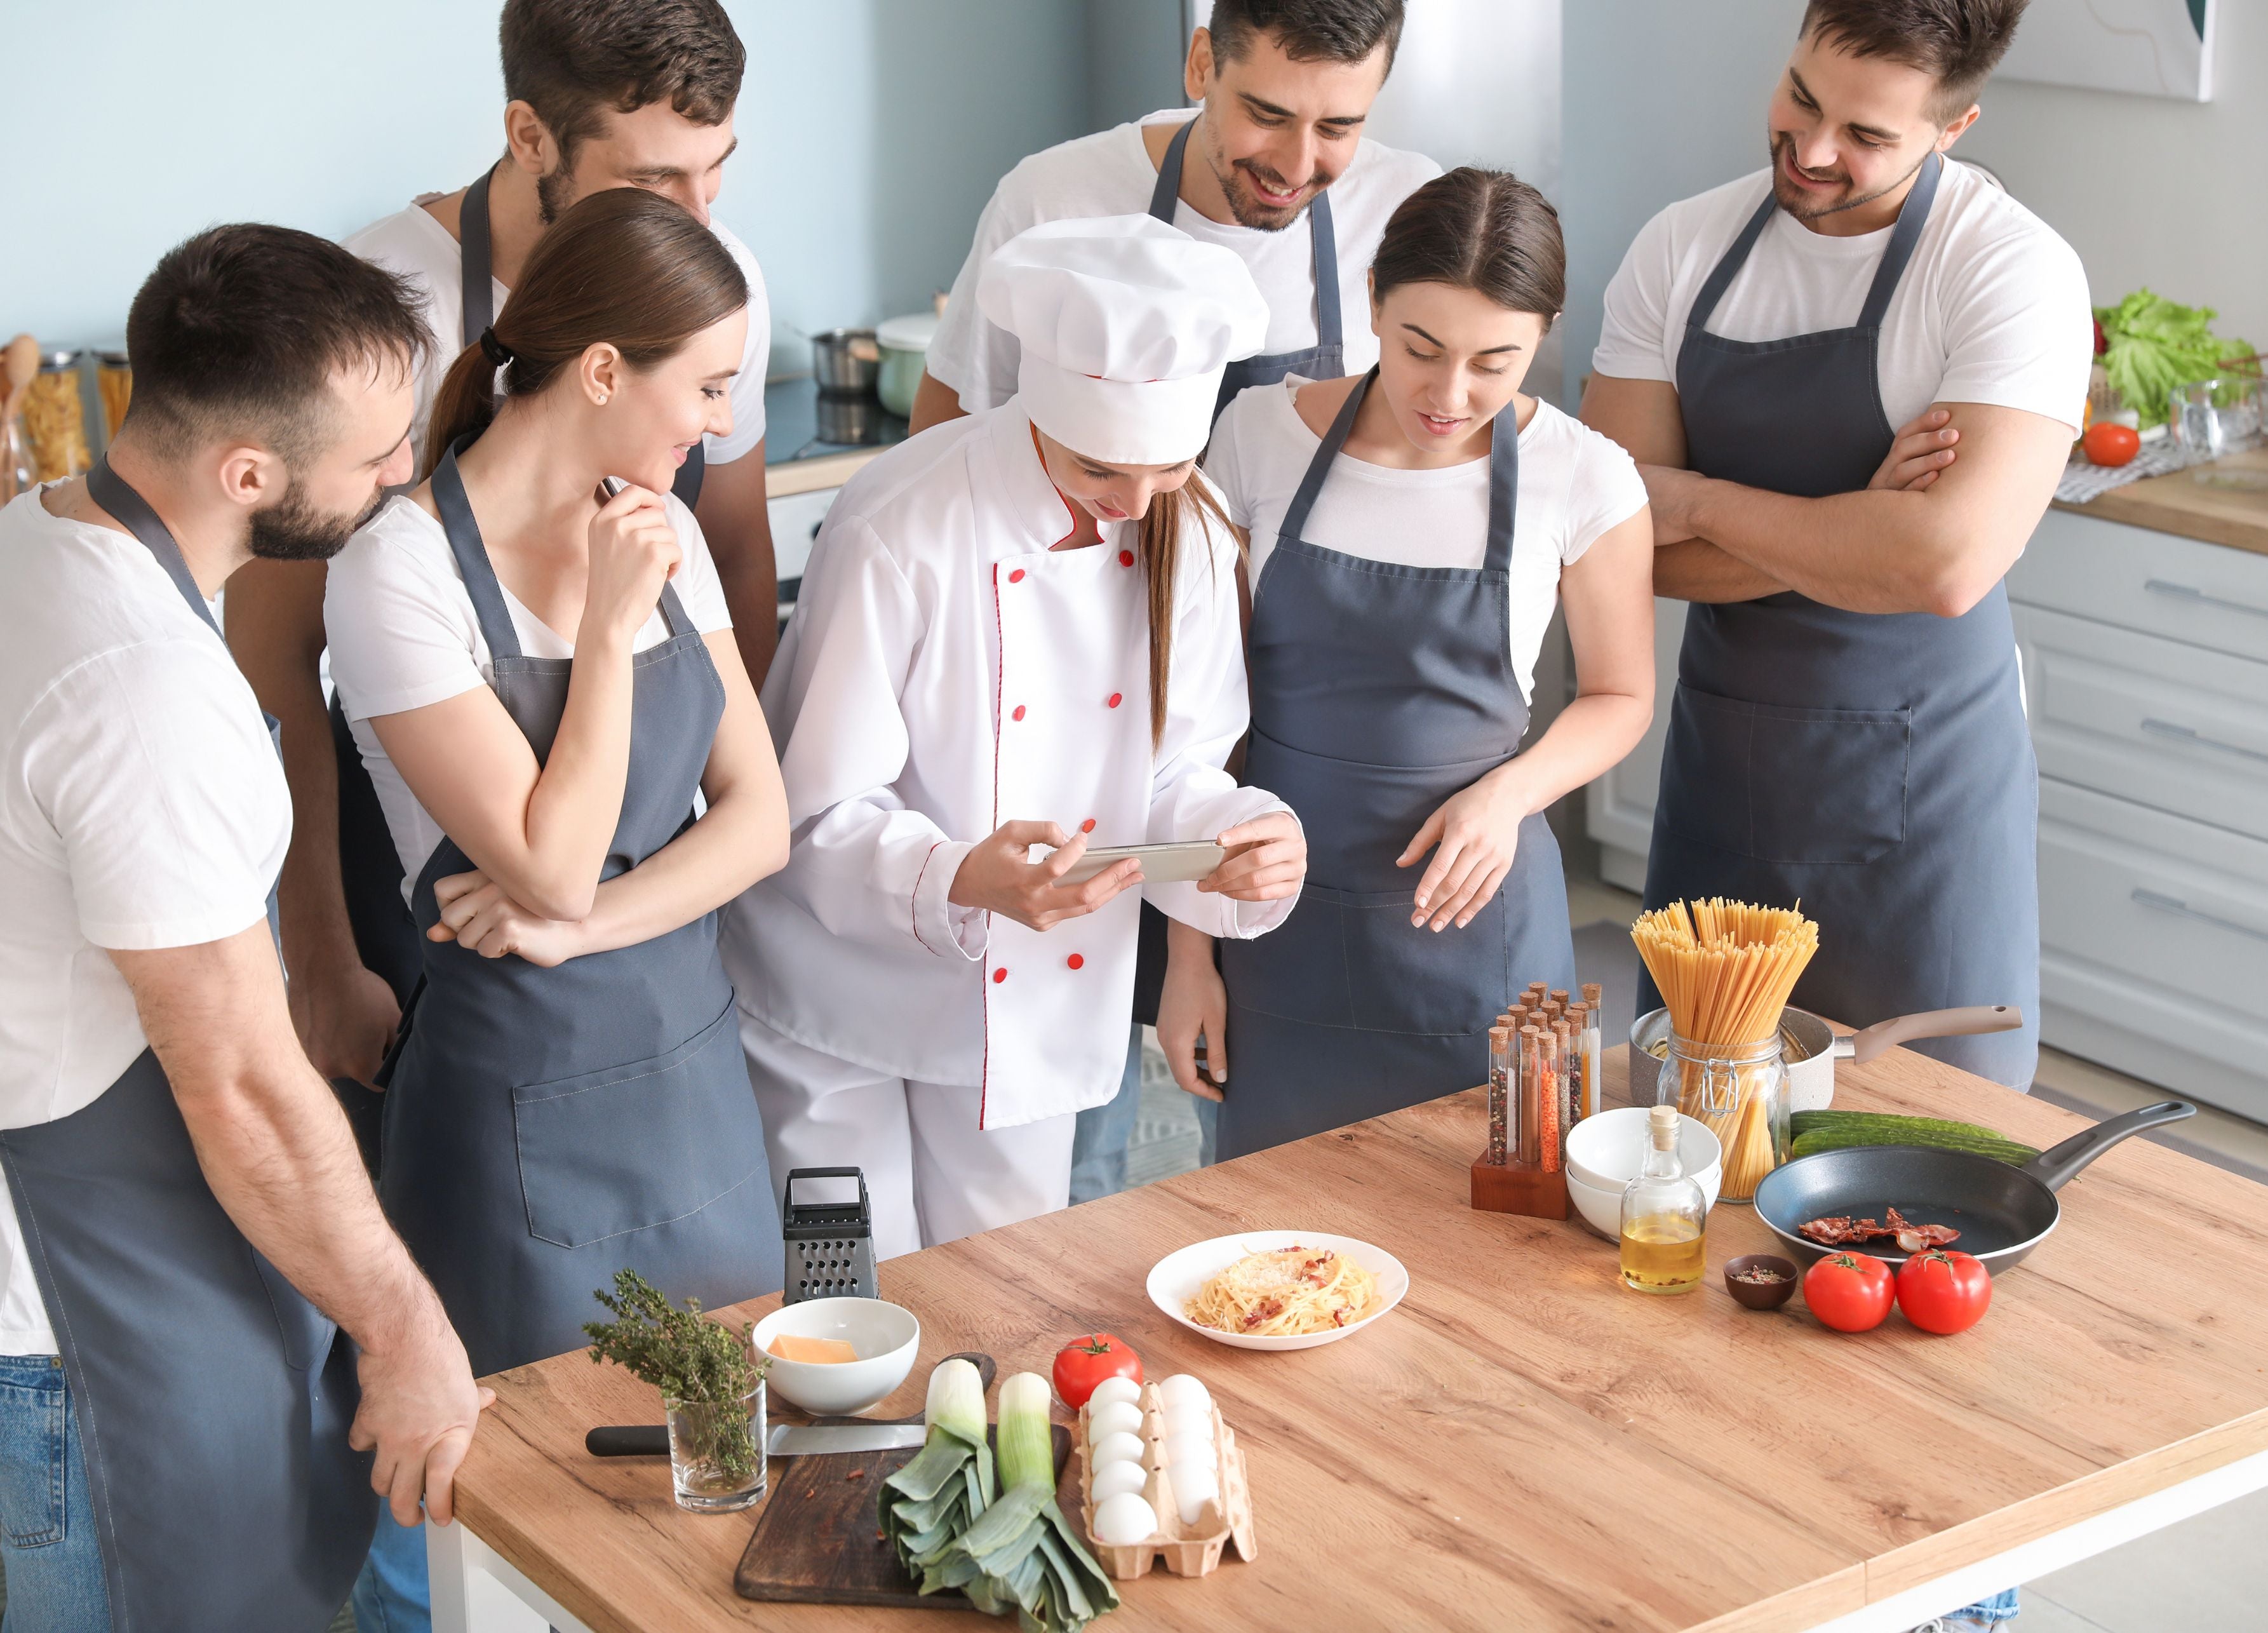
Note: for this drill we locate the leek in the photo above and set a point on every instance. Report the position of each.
(949, 1482)
(1020, 1552)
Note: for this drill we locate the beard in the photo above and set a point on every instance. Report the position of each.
(1802, 205)
(1244, 203)
(553, 194)
(293, 529)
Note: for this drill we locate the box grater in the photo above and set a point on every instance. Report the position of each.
(830, 1245)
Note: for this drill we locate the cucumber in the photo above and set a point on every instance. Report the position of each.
(1837, 1130)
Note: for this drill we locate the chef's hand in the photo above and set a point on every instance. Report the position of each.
(345, 1015)
(634, 550)
(477, 916)
(1267, 859)
(419, 1409)
(1193, 1006)
(995, 876)
(1922, 448)
(1474, 837)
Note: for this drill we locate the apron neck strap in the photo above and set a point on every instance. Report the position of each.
(107, 489)
(1295, 517)
(1913, 216)
(472, 554)
(1728, 266)
(1322, 239)
(474, 262)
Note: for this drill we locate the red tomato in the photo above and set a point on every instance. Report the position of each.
(1849, 1292)
(1944, 1292)
(1086, 1360)
(2107, 444)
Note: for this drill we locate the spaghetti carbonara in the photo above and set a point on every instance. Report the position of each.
(1284, 1293)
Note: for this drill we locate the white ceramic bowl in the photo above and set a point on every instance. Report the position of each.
(1608, 1148)
(1176, 1278)
(886, 1336)
(1600, 1207)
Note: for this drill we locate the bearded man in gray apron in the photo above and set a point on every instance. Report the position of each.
(184, 1441)
(1848, 728)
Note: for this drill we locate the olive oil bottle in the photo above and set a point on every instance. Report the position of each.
(1665, 1216)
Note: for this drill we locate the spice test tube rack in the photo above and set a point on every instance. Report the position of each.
(1521, 1171)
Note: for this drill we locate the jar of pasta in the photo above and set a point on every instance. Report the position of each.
(113, 379)
(1740, 1091)
(55, 418)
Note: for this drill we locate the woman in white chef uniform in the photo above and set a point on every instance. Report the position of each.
(1412, 531)
(1016, 629)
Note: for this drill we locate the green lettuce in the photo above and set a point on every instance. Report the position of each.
(2156, 346)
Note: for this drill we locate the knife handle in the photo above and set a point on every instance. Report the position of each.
(629, 1440)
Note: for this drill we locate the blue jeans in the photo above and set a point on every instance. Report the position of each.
(392, 1595)
(55, 1564)
(1990, 1612)
(1097, 1146)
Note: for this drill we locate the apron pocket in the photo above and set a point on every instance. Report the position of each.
(639, 1145)
(1298, 971)
(306, 1332)
(1786, 785)
(1407, 979)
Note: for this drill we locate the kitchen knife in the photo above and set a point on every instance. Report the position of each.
(785, 1439)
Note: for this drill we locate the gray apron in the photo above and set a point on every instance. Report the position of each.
(1874, 766)
(1325, 360)
(1378, 691)
(213, 1400)
(547, 1128)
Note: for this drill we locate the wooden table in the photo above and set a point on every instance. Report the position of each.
(1523, 1444)
(2179, 504)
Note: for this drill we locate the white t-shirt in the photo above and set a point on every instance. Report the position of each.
(1993, 308)
(410, 243)
(403, 635)
(141, 805)
(1574, 485)
(1109, 173)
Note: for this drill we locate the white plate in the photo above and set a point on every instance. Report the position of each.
(1176, 1278)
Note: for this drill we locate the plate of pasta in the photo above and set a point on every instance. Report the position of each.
(1278, 1290)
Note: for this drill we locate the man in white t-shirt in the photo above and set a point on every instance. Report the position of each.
(159, 1123)
(1283, 89)
(600, 93)
(1848, 727)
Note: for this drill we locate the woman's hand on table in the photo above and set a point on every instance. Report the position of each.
(1474, 837)
(1192, 1004)
(479, 916)
(995, 877)
(1267, 859)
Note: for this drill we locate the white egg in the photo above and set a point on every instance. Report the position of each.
(1189, 1420)
(1114, 1478)
(1119, 1448)
(1194, 1486)
(1122, 1520)
(1111, 1390)
(1183, 1390)
(1118, 1418)
(1189, 1452)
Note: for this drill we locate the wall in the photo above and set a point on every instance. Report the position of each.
(871, 132)
(1135, 49)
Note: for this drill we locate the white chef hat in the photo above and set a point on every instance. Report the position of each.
(1126, 324)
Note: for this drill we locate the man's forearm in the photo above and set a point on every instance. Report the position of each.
(1876, 550)
(1694, 569)
(735, 517)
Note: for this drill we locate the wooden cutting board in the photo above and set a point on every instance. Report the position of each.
(817, 1538)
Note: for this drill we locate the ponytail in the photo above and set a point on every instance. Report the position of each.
(1160, 539)
(626, 268)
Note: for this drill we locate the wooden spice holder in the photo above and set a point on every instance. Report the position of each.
(1188, 1550)
(1514, 1188)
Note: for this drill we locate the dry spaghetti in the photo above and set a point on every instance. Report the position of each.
(1285, 1292)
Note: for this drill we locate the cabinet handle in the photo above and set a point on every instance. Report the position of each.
(2179, 733)
(2190, 592)
(2182, 909)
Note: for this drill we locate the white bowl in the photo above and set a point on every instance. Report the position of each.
(1600, 1207)
(1176, 1278)
(886, 1336)
(1609, 1148)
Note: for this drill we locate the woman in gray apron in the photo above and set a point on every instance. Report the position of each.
(195, 1370)
(1383, 690)
(1874, 766)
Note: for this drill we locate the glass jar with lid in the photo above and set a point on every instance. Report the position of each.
(113, 381)
(55, 418)
(1740, 1091)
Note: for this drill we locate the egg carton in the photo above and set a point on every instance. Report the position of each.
(1188, 1550)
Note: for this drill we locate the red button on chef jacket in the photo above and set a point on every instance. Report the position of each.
(1126, 558)
(1117, 698)
(1076, 962)
(1017, 577)
(1018, 714)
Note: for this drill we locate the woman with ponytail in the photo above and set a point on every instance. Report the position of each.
(534, 655)
(1016, 635)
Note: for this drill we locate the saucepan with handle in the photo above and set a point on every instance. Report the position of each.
(1811, 1048)
(2001, 1212)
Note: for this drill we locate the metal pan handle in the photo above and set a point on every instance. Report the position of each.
(2055, 1166)
(1862, 1047)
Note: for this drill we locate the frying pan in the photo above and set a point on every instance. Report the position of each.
(2002, 1212)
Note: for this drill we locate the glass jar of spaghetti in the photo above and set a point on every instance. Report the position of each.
(54, 418)
(113, 379)
(1740, 1091)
